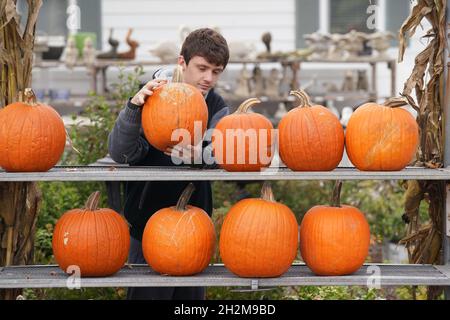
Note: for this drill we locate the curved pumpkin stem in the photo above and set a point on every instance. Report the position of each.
(266, 192)
(336, 200)
(396, 102)
(184, 198)
(305, 101)
(177, 74)
(92, 201)
(243, 108)
(30, 97)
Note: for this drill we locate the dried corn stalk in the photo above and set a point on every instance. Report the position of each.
(427, 78)
(18, 201)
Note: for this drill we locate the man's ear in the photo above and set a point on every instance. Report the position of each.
(182, 62)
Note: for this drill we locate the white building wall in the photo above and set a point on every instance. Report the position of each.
(160, 20)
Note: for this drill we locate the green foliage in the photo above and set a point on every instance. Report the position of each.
(333, 293)
(414, 292)
(75, 294)
(232, 293)
(91, 139)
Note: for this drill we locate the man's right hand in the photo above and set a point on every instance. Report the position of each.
(146, 91)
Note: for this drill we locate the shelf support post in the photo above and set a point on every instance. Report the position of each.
(446, 218)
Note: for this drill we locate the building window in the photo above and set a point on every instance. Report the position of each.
(340, 16)
(347, 15)
(52, 20)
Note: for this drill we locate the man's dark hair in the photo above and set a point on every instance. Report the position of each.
(206, 43)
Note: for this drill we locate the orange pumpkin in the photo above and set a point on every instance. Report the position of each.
(334, 240)
(259, 237)
(243, 141)
(95, 240)
(32, 135)
(173, 106)
(311, 138)
(179, 240)
(382, 137)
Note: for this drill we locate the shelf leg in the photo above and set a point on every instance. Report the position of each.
(446, 236)
(446, 109)
(374, 95)
(94, 79)
(393, 67)
(104, 87)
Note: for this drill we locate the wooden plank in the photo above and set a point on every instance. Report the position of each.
(118, 173)
(217, 275)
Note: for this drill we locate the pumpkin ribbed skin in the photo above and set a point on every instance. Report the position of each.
(96, 241)
(259, 238)
(179, 242)
(380, 138)
(311, 138)
(32, 137)
(173, 106)
(245, 142)
(334, 240)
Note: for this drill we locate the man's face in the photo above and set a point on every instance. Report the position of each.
(200, 73)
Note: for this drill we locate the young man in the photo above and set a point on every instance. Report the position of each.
(204, 56)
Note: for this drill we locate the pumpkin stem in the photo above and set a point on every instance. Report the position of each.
(184, 198)
(266, 192)
(396, 102)
(92, 201)
(336, 199)
(30, 97)
(177, 74)
(243, 108)
(305, 101)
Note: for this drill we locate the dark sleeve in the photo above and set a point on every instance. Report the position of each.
(125, 143)
(221, 110)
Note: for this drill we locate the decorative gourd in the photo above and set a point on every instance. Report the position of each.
(95, 240)
(173, 106)
(243, 141)
(334, 240)
(311, 138)
(32, 135)
(179, 240)
(382, 137)
(259, 237)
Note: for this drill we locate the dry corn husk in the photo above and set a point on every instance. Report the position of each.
(18, 201)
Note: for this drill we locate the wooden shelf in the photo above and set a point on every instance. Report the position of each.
(125, 173)
(51, 276)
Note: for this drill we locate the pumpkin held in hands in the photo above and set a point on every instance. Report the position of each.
(259, 237)
(32, 135)
(243, 141)
(382, 137)
(334, 240)
(311, 138)
(180, 240)
(173, 106)
(96, 241)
